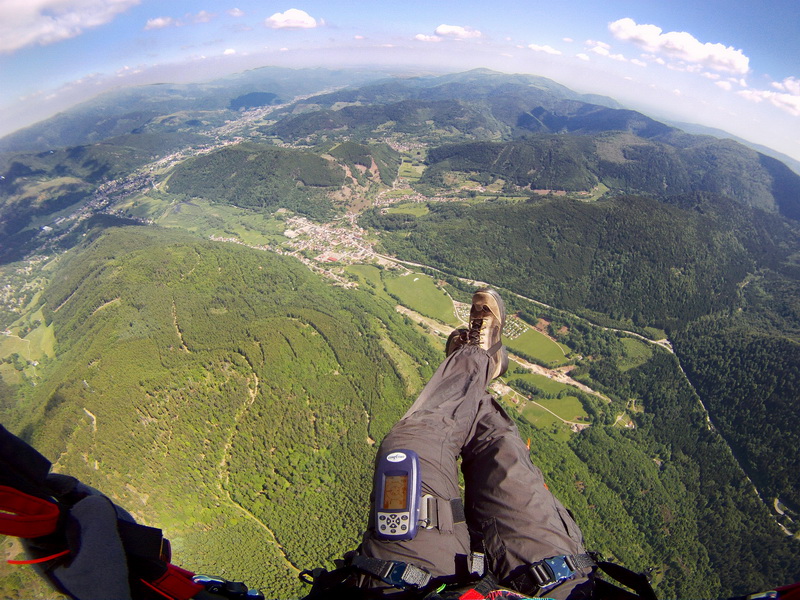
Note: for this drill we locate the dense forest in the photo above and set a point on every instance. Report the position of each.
(263, 177)
(629, 257)
(213, 390)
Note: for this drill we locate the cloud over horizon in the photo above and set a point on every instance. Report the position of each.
(681, 45)
(41, 22)
(291, 19)
(457, 32)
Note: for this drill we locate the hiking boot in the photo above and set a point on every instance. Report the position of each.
(487, 316)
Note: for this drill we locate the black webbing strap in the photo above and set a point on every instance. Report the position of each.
(397, 574)
(638, 582)
(438, 513)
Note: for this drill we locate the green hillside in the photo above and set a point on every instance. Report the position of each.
(263, 177)
(221, 393)
(632, 258)
(621, 161)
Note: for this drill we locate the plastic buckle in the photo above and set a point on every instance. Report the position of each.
(403, 575)
(558, 565)
(542, 574)
(551, 571)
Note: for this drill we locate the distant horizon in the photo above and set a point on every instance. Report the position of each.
(407, 72)
(726, 65)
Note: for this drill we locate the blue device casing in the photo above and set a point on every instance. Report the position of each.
(398, 493)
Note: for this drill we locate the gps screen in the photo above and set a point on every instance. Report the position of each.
(395, 492)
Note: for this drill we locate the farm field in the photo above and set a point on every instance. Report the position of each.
(568, 408)
(207, 219)
(545, 421)
(369, 276)
(419, 293)
(418, 209)
(538, 346)
(545, 384)
(409, 170)
(636, 353)
(36, 345)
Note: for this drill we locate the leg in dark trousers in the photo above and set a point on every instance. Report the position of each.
(506, 501)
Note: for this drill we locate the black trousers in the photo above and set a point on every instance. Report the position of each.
(507, 503)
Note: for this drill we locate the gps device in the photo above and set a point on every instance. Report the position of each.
(398, 491)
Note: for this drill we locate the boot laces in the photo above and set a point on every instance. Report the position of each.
(475, 332)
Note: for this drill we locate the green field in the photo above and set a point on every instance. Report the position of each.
(545, 421)
(418, 209)
(636, 353)
(224, 220)
(410, 171)
(547, 385)
(568, 408)
(539, 346)
(404, 364)
(419, 293)
(36, 345)
(369, 278)
(655, 333)
(399, 193)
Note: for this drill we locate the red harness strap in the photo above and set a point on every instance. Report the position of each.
(175, 583)
(25, 516)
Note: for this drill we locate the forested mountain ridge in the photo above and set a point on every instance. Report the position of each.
(244, 381)
(628, 163)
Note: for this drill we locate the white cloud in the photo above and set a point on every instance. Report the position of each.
(583, 56)
(291, 19)
(653, 58)
(596, 44)
(787, 98)
(202, 17)
(638, 63)
(235, 12)
(229, 52)
(160, 23)
(725, 85)
(569, 40)
(712, 76)
(786, 102)
(790, 85)
(457, 31)
(546, 49)
(31, 22)
(603, 49)
(358, 37)
(421, 37)
(682, 46)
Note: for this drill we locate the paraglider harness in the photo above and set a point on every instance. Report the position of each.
(340, 584)
(71, 532)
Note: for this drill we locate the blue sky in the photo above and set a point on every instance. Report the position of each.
(734, 65)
